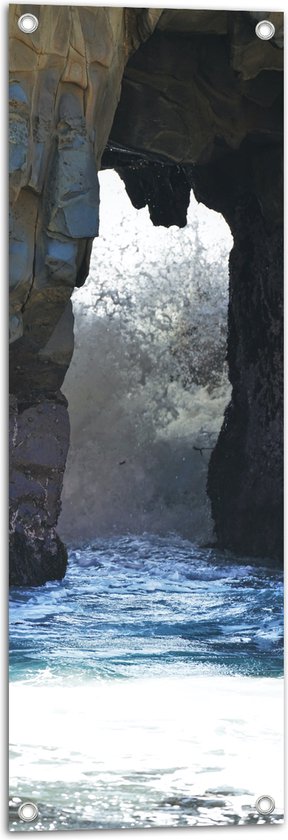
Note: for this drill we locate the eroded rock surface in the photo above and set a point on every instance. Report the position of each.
(172, 99)
(65, 81)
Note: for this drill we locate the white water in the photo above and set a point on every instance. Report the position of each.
(115, 754)
(148, 380)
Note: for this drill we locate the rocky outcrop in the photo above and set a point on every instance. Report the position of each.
(39, 440)
(199, 104)
(39, 444)
(245, 482)
(65, 81)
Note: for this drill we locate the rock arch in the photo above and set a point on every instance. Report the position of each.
(172, 100)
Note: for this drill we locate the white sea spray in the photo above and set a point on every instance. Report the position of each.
(147, 385)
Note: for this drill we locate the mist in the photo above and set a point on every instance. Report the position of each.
(147, 385)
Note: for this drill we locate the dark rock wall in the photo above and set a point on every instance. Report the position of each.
(245, 481)
(186, 94)
(39, 440)
(39, 444)
(193, 94)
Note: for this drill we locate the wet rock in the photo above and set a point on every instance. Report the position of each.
(39, 439)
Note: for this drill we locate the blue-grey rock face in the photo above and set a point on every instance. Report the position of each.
(59, 122)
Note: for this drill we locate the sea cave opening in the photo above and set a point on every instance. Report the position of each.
(147, 385)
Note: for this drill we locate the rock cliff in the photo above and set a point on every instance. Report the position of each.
(172, 100)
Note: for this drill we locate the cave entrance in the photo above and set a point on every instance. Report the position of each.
(148, 384)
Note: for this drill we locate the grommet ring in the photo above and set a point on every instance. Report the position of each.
(28, 23)
(28, 812)
(265, 805)
(265, 30)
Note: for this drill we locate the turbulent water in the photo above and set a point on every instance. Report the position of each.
(146, 689)
(148, 385)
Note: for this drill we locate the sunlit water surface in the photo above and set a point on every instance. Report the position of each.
(146, 689)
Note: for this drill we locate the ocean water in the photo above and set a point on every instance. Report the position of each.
(146, 689)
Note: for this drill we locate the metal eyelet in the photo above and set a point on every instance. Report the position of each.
(28, 811)
(265, 805)
(265, 30)
(28, 23)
